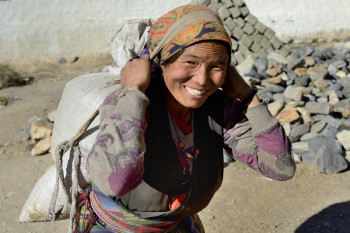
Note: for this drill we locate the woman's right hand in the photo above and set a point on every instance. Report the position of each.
(136, 74)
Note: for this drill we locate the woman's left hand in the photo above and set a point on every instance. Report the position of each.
(235, 87)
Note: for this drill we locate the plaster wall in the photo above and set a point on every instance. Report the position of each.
(303, 18)
(48, 30)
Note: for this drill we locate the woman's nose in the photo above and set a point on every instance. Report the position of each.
(202, 76)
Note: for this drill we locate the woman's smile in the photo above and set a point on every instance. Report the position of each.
(194, 91)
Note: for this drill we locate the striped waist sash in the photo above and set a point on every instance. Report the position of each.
(117, 218)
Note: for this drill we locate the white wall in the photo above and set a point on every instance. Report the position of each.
(50, 29)
(303, 18)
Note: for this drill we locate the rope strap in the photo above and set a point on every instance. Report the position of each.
(71, 195)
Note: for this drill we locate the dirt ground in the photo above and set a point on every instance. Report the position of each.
(246, 202)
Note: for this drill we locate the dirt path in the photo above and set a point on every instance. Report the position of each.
(246, 202)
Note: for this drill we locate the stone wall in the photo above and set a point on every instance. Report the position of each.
(249, 36)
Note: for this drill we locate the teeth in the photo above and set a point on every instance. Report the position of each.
(194, 91)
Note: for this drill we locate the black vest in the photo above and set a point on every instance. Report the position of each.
(163, 171)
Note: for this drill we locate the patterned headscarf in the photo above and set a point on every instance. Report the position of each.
(182, 27)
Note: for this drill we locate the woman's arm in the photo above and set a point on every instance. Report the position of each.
(254, 136)
(115, 163)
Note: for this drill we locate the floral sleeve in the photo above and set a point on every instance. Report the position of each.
(257, 139)
(115, 163)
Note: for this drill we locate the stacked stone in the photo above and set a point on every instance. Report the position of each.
(309, 92)
(249, 36)
(40, 130)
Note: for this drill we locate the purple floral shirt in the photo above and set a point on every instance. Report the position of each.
(116, 162)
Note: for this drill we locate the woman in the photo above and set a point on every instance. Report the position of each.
(157, 160)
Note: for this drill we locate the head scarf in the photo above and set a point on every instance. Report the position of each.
(183, 27)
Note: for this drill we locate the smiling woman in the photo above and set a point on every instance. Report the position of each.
(157, 160)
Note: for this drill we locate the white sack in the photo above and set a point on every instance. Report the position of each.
(81, 97)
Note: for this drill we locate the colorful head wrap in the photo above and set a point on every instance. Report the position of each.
(182, 27)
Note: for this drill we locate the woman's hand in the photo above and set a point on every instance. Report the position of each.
(136, 74)
(236, 87)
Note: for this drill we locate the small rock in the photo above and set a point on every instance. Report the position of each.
(41, 129)
(307, 119)
(302, 81)
(301, 71)
(74, 59)
(309, 61)
(294, 63)
(52, 115)
(291, 74)
(346, 91)
(296, 103)
(317, 73)
(211, 217)
(344, 138)
(34, 118)
(341, 74)
(310, 98)
(245, 66)
(281, 97)
(332, 122)
(318, 126)
(287, 127)
(329, 155)
(42, 147)
(321, 84)
(293, 93)
(288, 114)
(322, 100)
(62, 61)
(275, 107)
(333, 97)
(343, 106)
(274, 71)
(299, 147)
(277, 57)
(345, 123)
(309, 135)
(261, 64)
(296, 157)
(308, 157)
(329, 131)
(319, 117)
(274, 80)
(315, 107)
(339, 64)
(332, 69)
(298, 131)
(273, 87)
(284, 76)
(265, 95)
(333, 87)
(25, 134)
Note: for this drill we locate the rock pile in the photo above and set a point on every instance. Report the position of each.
(249, 36)
(40, 130)
(308, 90)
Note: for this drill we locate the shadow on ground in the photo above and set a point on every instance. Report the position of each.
(333, 219)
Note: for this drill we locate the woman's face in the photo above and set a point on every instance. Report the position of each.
(196, 74)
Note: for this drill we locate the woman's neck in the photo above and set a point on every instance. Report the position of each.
(177, 109)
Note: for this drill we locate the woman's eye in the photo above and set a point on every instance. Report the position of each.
(218, 68)
(190, 62)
